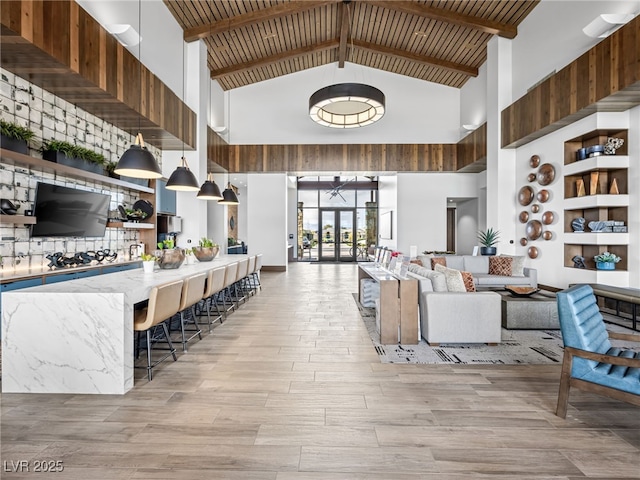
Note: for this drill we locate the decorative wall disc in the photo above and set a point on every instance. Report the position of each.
(533, 252)
(534, 229)
(531, 177)
(546, 174)
(547, 235)
(525, 195)
(543, 195)
(535, 208)
(547, 218)
(523, 241)
(523, 217)
(534, 161)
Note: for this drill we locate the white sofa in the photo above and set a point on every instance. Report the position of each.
(455, 317)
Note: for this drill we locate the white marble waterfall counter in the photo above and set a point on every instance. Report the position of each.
(77, 336)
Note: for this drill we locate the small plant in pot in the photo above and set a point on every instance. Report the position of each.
(148, 262)
(606, 261)
(66, 153)
(15, 137)
(488, 238)
(206, 251)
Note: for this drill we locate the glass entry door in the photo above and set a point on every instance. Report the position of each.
(337, 235)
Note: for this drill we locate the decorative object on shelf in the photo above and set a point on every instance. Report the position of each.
(206, 251)
(182, 179)
(518, 291)
(534, 161)
(606, 261)
(543, 195)
(596, 226)
(209, 189)
(546, 174)
(577, 224)
(578, 262)
(171, 258)
(531, 177)
(148, 262)
(533, 252)
(580, 191)
(612, 145)
(145, 206)
(60, 260)
(534, 229)
(613, 189)
(347, 105)
(581, 154)
(547, 218)
(66, 153)
(488, 238)
(593, 183)
(15, 137)
(525, 195)
(229, 196)
(7, 207)
(535, 208)
(523, 217)
(547, 235)
(595, 151)
(523, 241)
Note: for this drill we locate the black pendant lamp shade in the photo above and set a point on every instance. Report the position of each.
(229, 197)
(182, 179)
(138, 162)
(209, 190)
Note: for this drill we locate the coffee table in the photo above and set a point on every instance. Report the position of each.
(538, 311)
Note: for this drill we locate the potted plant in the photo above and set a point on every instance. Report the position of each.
(488, 238)
(15, 137)
(72, 155)
(606, 261)
(206, 250)
(169, 255)
(148, 262)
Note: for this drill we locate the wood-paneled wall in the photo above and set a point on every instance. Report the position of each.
(217, 152)
(61, 48)
(603, 79)
(472, 151)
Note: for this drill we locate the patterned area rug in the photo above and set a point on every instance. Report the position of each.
(528, 347)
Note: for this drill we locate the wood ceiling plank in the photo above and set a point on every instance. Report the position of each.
(250, 18)
(449, 16)
(344, 35)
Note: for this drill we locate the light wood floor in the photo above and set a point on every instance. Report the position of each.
(290, 388)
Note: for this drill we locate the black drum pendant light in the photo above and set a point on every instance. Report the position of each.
(182, 179)
(229, 197)
(347, 105)
(209, 190)
(137, 161)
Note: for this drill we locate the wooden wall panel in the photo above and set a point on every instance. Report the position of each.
(217, 152)
(604, 78)
(61, 48)
(471, 151)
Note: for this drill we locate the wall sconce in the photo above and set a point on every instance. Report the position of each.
(604, 25)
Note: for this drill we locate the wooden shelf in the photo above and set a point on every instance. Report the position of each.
(602, 162)
(596, 201)
(18, 219)
(19, 159)
(595, 238)
(131, 225)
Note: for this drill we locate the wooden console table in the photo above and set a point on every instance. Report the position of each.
(398, 305)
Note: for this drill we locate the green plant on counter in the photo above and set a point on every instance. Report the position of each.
(15, 131)
(166, 244)
(147, 257)
(489, 237)
(207, 243)
(74, 151)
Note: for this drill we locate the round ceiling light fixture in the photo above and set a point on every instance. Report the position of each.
(347, 105)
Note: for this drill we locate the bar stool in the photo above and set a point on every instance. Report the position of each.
(250, 269)
(229, 278)
(256, 272)
(243, 267)
(164, 302)
(192, 291)
(214, 285)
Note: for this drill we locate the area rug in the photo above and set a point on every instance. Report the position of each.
(524, 347)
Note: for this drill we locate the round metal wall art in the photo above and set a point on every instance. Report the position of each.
(543, 195)
(531, 177)
(523, 217)
(534, 229)
(523, 241)
(535, 208)
(525, 195)
(547, 218)
(533, 252)
(547, 235)
(534, 161)
(546, 174)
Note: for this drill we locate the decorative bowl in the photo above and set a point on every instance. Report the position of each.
(521, 291)
(205, 254)
(171, 258)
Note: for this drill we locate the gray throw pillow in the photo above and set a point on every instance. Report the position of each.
(517, 264)
(453, 279)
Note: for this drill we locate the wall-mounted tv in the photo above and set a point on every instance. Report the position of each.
(69, 212)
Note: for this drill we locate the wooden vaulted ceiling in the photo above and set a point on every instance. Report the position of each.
(441, 41)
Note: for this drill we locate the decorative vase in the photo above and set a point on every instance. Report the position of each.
(171, 258)
(488, 250)
(148, 266)
(605, 265)
(205, 254)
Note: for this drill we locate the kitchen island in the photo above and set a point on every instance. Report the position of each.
(77, 336)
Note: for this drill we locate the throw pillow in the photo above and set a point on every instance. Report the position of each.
(467, 278)
(426, 260)
(438, 261)
(452, 277)
(500, 266)
(416, 261)
(517, 265)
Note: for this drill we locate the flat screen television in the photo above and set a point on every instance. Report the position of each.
(69, 212)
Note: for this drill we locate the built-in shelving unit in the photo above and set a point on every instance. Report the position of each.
(597, 202)
(131, 225)
(17, 219)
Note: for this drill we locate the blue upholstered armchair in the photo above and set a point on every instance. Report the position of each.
(590, 362)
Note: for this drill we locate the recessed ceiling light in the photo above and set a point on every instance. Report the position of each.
(269, 36)
(420, 33)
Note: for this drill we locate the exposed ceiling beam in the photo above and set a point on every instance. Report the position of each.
(344, 35)
(250, 18)
(423, 59)
(298, 52)
(487, 26)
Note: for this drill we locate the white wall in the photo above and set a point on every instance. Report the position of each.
(466, 226)
(473, 100)
(292, 213)
(267, 217)
(217, 226)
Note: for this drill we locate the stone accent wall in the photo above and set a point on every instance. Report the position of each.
(51, 117)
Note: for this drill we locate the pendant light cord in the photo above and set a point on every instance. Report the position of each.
(139, 67)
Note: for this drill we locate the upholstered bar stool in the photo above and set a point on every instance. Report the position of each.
(256, 272)
(164, 302)
(250, 269)
(214, 285)
(243, 268)
(192, 292)
(230, 273)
